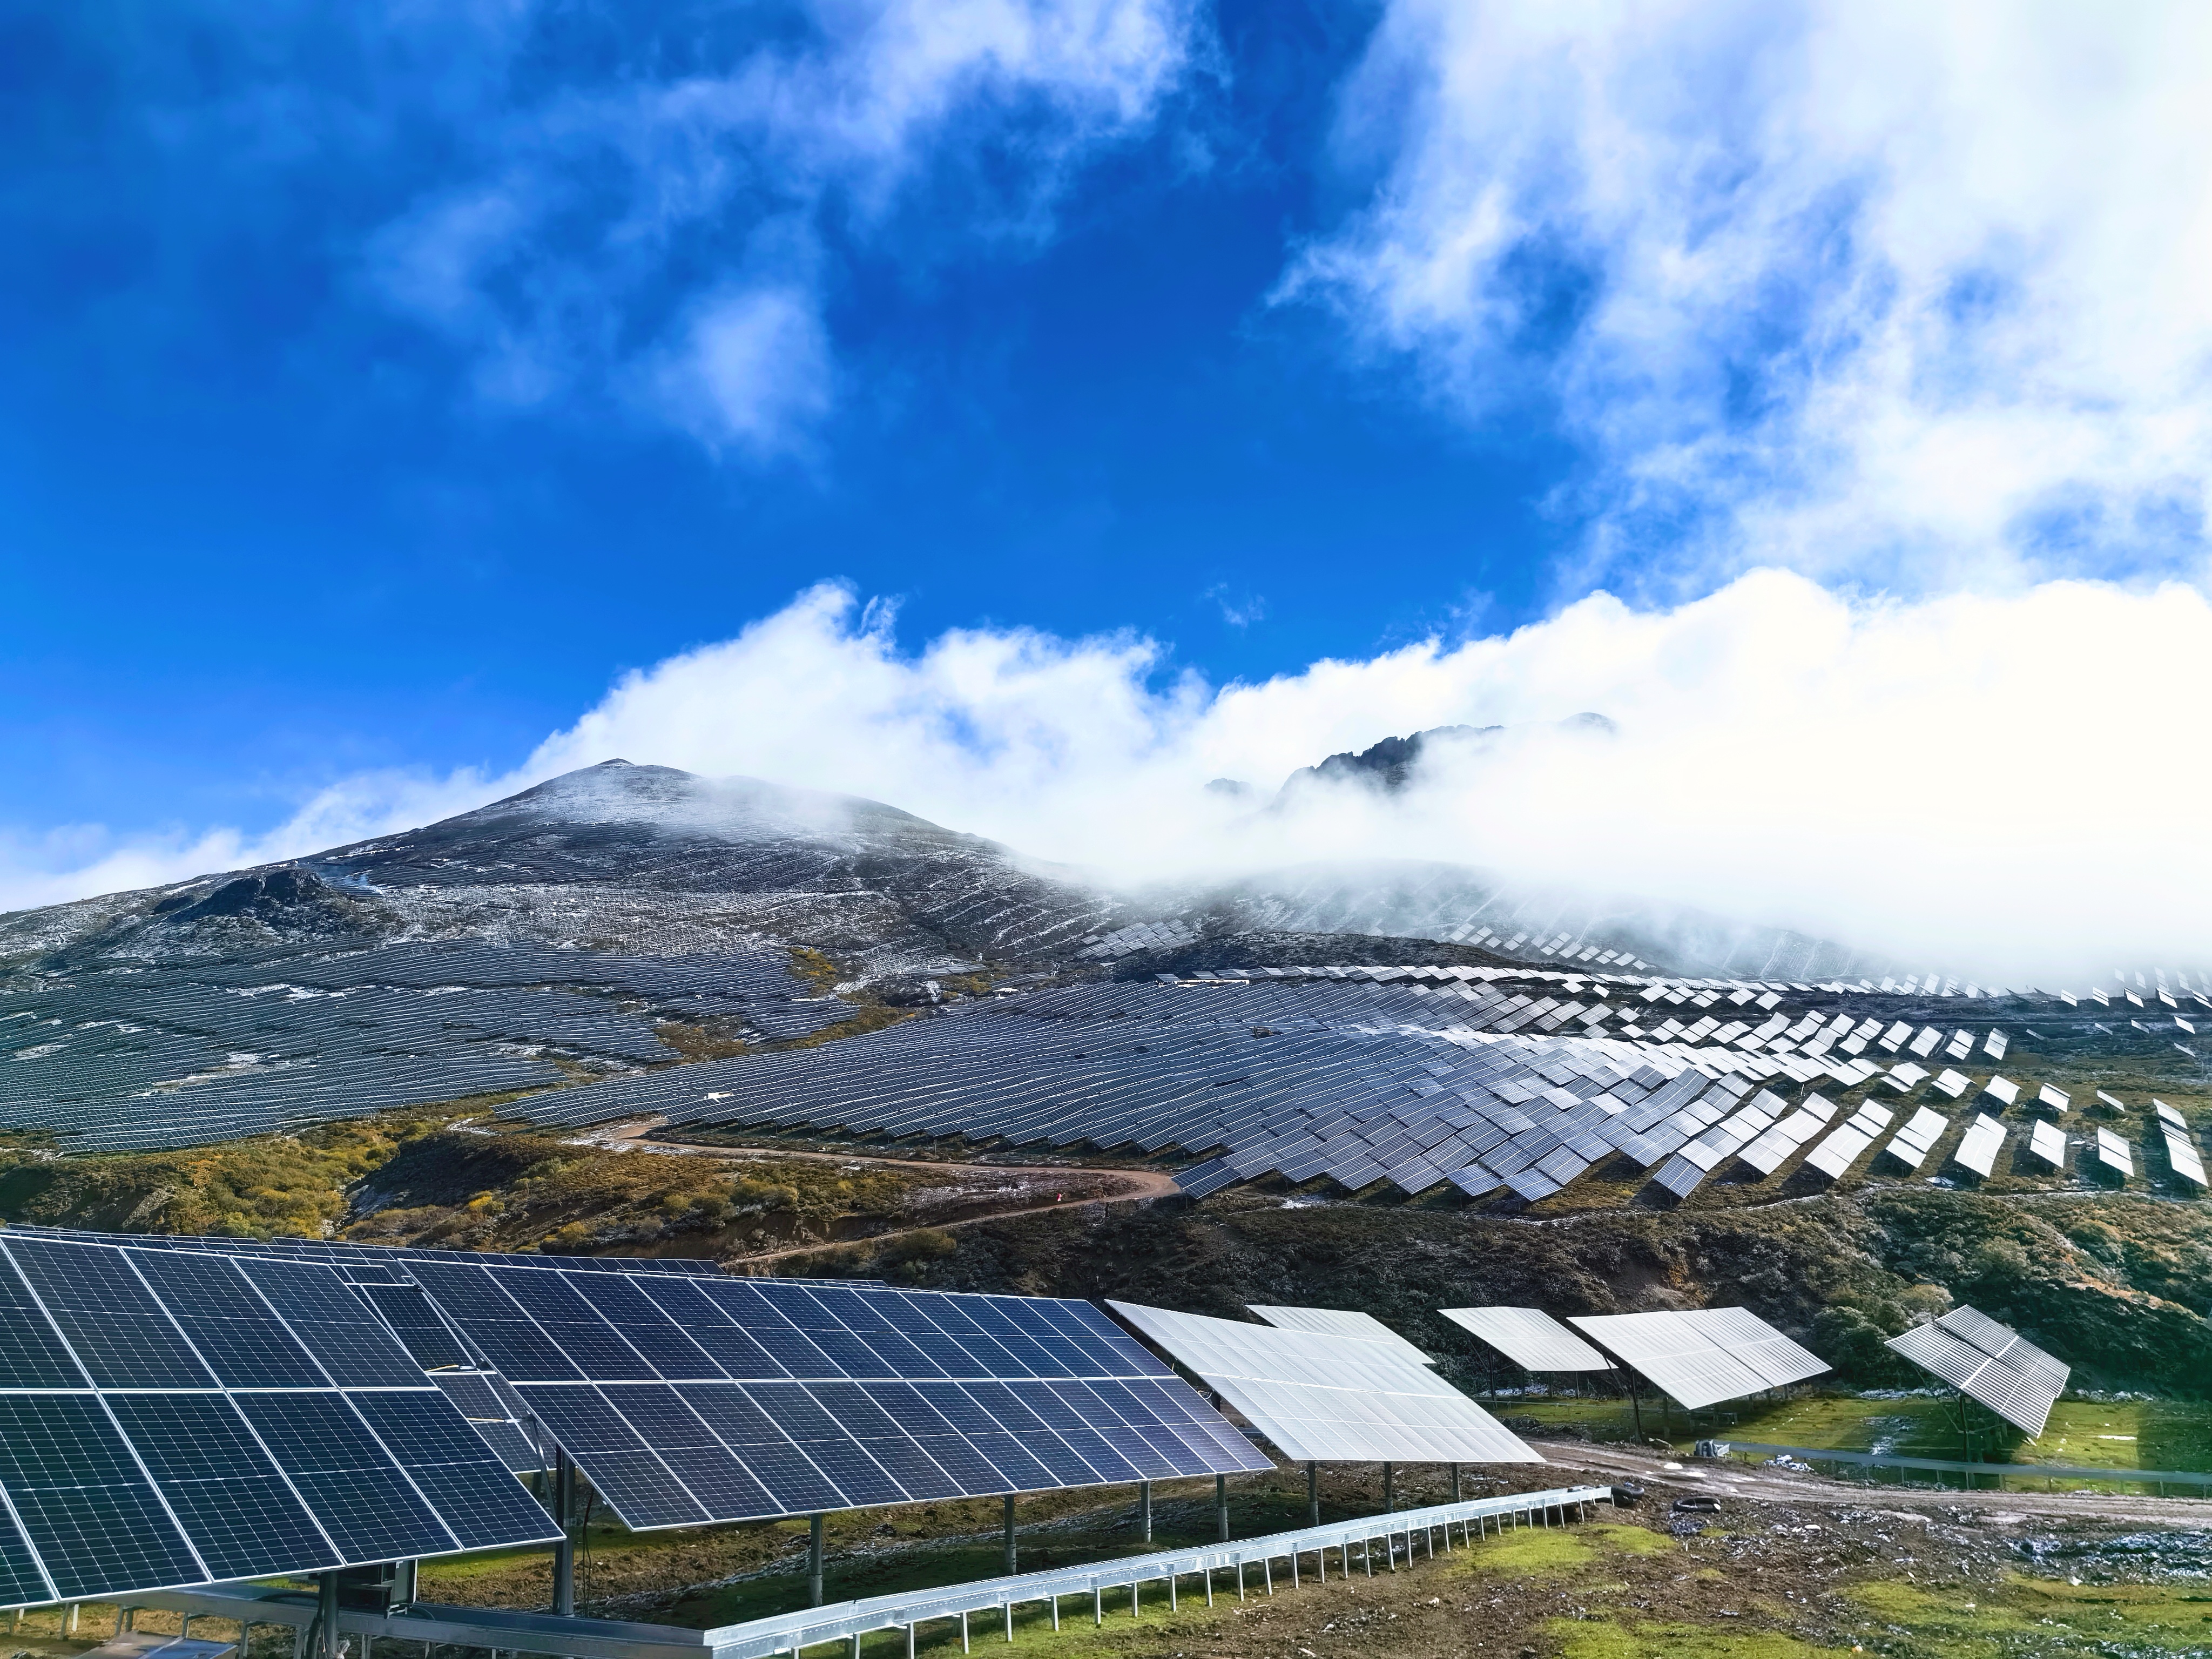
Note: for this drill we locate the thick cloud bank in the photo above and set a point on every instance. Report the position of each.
(1919, 296)
(2013, 786)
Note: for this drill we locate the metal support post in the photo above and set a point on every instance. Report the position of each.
(564, 1552)
(1010, 1540)
(406, 1582)
(1313, 1493)
(1455, 1497)
(1221, 1505)
(1145, 1511)
(814, 1569)
(326, 1614)
(1390, 1497)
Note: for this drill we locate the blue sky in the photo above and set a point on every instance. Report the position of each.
(384, 384)
(262, 526)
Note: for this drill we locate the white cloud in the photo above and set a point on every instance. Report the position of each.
(2004, 785)
(656, 231)
(754, 370)
(1919, 297)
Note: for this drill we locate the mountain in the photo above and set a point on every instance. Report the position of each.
(621, 857)
(1392, 764)
(649, 861)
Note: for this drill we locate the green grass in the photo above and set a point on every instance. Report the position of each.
(2040, 1616)
(2129, 1434)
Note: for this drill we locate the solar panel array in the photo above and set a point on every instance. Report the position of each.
(171, 1417)
(1361, 1082)
(1990, 1362)
(1703, 1356)
(686, 1399)
(117, 1054)
(1530, 1338)
(1331, 1399)
(1337, 1322)
(1520, 1081)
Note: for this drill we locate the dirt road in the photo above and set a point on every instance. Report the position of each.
(1760, 1482)
(1098, 1186)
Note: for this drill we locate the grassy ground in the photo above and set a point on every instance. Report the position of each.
(1753, 1582)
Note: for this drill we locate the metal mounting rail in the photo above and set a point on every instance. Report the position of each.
(1354, 1544)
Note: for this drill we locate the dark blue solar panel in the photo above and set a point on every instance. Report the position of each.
(510, 1338)
(20, 1580)
(575, 1327)
(716, 1476)
(86, 1508)
(363, 1501)
(357, 1352)
(792, 1478)
(481, 1503)
(108, 1316)
(640, 1486)
(30, 1355)
(248, 1346)
(240, 1512)
(816, 1431)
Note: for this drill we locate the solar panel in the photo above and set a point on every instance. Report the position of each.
(1675, 1356)
(1977, 1149)
(1330, 1399)
(2113, 1153)
(2048, 1142)
(1755, 1342)
(687, 1399)
(1337, 1322)
(1990, 1362)
(174, 1420)
(2184, 1158)
(1530, 1338)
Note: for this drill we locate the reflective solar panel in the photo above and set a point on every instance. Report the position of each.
(1702, 1357)
(1977, 1148)
(1990, 1362)
(1337, 1322)
(172, 1420)
(1331, 1399)
(1530, 1338)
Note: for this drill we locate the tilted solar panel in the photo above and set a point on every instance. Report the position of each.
(1530, 1338)
(688, 1399)
(172, 1419)
(1331, 1399)
(1339, 1322)
(1702, 1357)
(1989, 1362)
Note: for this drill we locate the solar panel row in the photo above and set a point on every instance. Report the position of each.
(168, 1418)
(686, 1399)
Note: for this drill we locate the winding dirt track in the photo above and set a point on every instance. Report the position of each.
(1761, 1484)
(1127, 1186)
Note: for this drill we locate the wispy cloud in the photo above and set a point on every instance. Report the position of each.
(1910, 296)
(1237, 612)
(658, 231)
